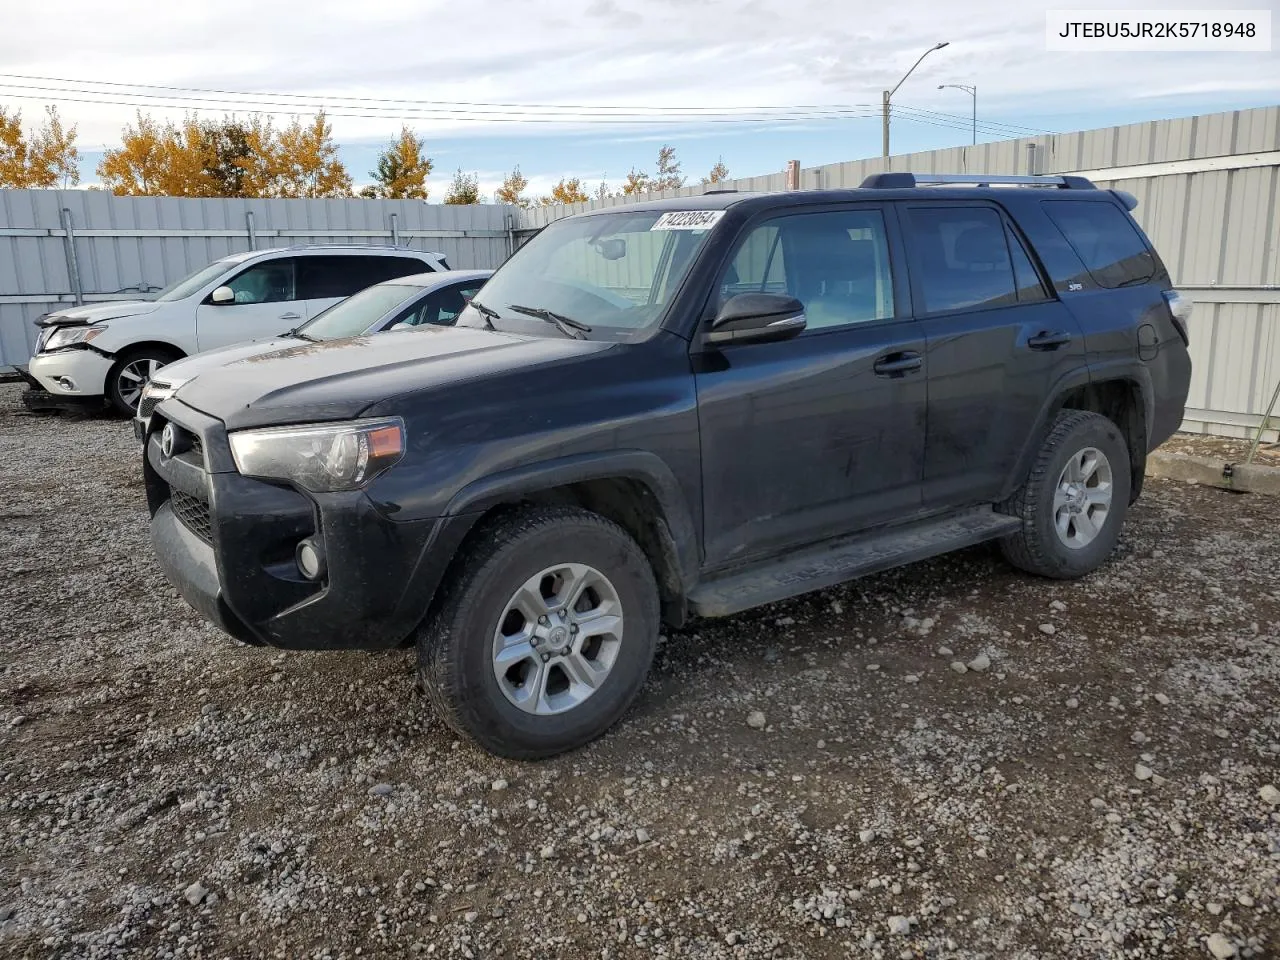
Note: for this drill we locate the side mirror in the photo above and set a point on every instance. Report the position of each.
(402, 325)
(223, 295)
(757, 318)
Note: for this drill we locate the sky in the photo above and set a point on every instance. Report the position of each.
(592, 88)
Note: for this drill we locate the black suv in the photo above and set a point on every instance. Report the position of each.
(683, 407)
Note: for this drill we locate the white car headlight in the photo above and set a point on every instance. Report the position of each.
(67, 336)
(321, 458)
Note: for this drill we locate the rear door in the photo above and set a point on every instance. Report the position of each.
(265, 305)
(823, 434)
(998, 341)
(324, 279)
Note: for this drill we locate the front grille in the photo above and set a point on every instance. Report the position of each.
(156, 393)
(194, 514)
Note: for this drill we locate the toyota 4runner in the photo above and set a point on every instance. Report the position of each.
(675, 408)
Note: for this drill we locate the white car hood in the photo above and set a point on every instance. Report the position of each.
(100, 312)
(180, 371)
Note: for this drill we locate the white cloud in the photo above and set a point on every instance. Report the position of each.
(656, 54)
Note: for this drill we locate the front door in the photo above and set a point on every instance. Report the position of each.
(823, 434)
(265, 305)
(998, 342)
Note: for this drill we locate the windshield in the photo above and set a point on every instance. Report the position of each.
(615, 273)
(356, 314)
(189, 285)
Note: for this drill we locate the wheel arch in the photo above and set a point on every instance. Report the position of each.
(633, 488)
(1121, 393)
(141, 345)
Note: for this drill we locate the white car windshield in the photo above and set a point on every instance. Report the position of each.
(615, 273)
(356, 314)
(190, 284)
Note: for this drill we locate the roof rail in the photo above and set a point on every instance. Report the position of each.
(894, 181)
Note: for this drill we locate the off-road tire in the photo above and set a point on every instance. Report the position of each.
(454, 644)
(1036, 547)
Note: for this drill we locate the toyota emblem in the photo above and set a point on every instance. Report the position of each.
(168, 440)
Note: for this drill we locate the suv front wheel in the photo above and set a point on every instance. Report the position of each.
(1074, 500)
(131, 373)
(544, 633)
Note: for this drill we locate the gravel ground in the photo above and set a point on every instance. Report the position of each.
(950, 760)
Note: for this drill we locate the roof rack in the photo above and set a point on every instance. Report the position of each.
(895, 181)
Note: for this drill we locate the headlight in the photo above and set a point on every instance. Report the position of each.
(66, 336)
(322, 459)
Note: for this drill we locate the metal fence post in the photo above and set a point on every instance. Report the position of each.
(249, 227)
(395, 229)
(73, 264)
(511, 234)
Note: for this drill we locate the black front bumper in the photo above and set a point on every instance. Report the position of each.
(227, 543)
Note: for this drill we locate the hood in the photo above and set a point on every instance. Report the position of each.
(78, 316)
(180, 371)
(337, 379)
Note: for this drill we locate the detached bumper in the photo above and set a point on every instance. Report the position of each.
(227, 543)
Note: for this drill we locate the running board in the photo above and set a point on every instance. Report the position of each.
(816, 568)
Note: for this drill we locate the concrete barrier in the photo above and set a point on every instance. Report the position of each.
(1213, 472)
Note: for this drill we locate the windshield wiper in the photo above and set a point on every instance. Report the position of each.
(297, 332)
(488, 313)
(566, 325)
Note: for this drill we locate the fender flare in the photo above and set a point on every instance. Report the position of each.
(641, 466)
(1132, 372)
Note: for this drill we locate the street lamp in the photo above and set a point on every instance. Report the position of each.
(971, 91)
(888, 94)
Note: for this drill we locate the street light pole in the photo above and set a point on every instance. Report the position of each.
(971, 91)
(888, 94)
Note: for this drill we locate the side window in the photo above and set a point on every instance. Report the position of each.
(836, 264)
(441, 307)
(323, 278)
(961, 258)
(1105, 239)
(269, 282)
(1030, 287)
(759, 265)
(391, 268)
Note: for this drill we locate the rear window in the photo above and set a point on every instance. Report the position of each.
(1105, 240)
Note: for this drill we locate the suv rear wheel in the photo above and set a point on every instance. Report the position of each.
(1074, 501)
(543, 635)
(130, 374)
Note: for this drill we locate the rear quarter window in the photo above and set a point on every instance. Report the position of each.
(1105, 240)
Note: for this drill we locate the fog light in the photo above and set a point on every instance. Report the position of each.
(66, 383)
(310, 558)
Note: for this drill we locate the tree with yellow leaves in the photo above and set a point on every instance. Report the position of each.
(637, 182)
(465, 188)
(47, 159)
(512, 189)
(306, 161)
(719, 173)
(402, 169)
(566, 191)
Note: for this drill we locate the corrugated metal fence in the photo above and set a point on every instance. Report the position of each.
(1207, 188)
(133, 247)
(1207, 191)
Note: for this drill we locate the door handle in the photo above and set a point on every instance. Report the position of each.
(1049, 341)
(898, 364)
(290, 316)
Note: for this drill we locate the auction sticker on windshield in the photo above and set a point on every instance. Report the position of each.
(688, 220)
